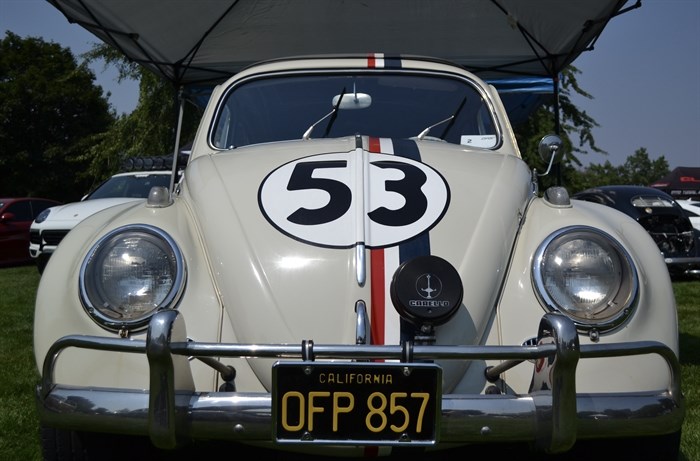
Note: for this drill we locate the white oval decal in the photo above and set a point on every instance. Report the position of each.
(341, 199)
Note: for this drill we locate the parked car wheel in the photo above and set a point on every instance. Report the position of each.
(41, 262)
(61, 445)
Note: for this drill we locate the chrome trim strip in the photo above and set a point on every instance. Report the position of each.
(362, 329)
(361, 185)
(361, 264)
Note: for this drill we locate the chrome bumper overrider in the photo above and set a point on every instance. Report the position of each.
(552, 419)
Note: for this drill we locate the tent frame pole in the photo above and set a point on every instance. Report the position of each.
(180, 101)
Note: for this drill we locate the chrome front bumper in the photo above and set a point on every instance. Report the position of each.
(553, 420)
(685, 265)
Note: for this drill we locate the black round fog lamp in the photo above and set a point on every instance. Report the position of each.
(426, 290)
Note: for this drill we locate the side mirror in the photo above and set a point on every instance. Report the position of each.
(7, 217)
(551, 151)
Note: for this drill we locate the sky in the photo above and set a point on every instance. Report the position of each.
(643, 75)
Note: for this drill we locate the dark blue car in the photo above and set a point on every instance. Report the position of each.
(661, 216)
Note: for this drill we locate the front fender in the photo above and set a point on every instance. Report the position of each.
(654, 317)
(59, 311)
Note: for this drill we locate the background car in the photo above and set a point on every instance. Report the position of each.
(692, 211)
(51, 225)
(661, 216)
(16, 215)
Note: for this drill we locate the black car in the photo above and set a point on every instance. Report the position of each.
(661, 216)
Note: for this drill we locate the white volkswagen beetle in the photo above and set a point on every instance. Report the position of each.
(322, 280)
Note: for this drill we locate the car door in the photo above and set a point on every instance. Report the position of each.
(14, 231)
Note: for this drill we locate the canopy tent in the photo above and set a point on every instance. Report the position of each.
(196, 43)
(189, 41)
(681, 183)
(522, 95)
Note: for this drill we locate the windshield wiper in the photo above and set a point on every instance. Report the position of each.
(450, 119)
(333, 113)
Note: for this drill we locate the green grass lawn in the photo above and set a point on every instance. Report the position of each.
(19, 436)
(19, 439)
(688, 303)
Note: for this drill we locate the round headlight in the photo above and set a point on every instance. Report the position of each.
(587, 275)
(129, 274)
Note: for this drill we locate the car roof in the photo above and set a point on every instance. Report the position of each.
(142, 173)
(19, 199)
(623, 191)
(8, 200)
(620, 197)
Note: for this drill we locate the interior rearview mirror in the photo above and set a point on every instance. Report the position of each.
(353, 101)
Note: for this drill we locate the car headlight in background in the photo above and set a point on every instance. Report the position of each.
(586, 274)
(41, 217)
(129, 274)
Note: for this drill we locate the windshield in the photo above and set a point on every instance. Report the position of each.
(374, 104)
(134, 186)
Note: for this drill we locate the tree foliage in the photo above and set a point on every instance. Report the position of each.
(576, 131)
(51, 114)
(574, 126)
(147, 131)
(638, 170)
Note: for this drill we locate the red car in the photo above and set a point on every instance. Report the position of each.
(16, 215)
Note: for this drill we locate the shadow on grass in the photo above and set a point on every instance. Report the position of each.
(689, 347)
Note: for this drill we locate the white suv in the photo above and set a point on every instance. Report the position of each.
(51, 225)
(692, 210)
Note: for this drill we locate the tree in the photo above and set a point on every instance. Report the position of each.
(574, 124)
(150, 129)
(51, 113)
(638, 169)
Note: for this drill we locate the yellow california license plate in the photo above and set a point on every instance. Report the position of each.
(356, 403)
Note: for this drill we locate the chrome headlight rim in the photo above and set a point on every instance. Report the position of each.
(626, 296)
(105, 244)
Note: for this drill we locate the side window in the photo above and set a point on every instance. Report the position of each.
(21, 210)
(222, 137)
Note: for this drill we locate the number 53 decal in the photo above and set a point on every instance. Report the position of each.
(340, 199)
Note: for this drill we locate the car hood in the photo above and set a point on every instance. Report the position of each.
(280, 223)
(68, 215)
